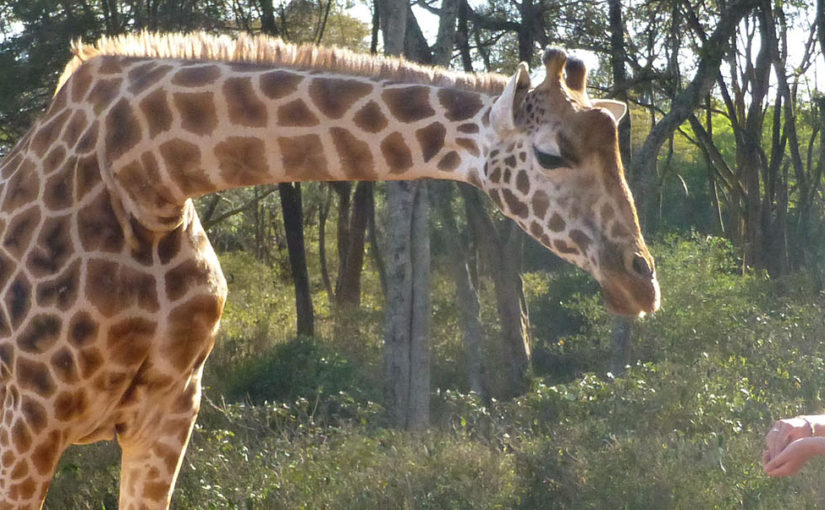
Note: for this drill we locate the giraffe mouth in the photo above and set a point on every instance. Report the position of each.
(631, 295)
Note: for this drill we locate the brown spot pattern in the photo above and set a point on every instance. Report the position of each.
(88, 142)
(396, 153)
(582, 240)
(431, 139)
(82, 329)
(41, 333)
(355, 156)
(61, 291)
(469, 145)
(129, 340)
(184, 276)
(183, 162)
(459, 105)
(556, 223)
(22, 190)
(21, 229)
(48, 133)
(189, 324)
(169, 245)
(53, 247)
(146, 75)
(334, 96)
(18, 299)
(370, 118)
(104, 92)
(197, 111)
(196, 76)
(303, 157)
(75, 128)
(69, 405)
(98, 226)
(408, 104)
(112, 288)
(81, 80)
(34, 376)
(523, 182)
(242, 160)
(516, 206)
(541, 202)
(278, 84)
(449, 162)
(122, 130)
(243, 104)
(296, 114)
(156, 111)
(562, 247)
(53, 159)
(64, 366)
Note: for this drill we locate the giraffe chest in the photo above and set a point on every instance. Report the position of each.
(91, 315)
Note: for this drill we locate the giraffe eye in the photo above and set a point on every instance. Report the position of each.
(549, 161)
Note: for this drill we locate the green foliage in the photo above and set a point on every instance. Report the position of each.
(682, 428)
(299, 368)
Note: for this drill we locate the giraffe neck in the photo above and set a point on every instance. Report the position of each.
(171, 130)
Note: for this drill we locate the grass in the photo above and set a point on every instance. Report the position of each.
(682, 428)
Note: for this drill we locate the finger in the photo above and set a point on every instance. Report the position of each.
(776, 467)
(786, 469)
(766, 457)
(776, 461)
(776, 445)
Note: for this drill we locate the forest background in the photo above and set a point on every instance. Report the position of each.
(533, 395)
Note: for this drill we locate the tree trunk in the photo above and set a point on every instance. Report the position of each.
(622, 326)
(322, 245)
(620, 345)
(501, 249)
(469, 307)
(408, 305)
(348, 286)
(293, 225)
(408, 311)
(820, 26)
(268, 25)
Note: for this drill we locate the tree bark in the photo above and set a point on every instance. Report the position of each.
(820, 26)
(502, 250)
(322, 245)
(292, 209)
(293, 225)
(268, 25)
(408, 305)
(408, 310)
(622, 326)
(469, 307)
(348, 286)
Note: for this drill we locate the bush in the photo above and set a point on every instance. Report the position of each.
(683, 427)
(300, 368)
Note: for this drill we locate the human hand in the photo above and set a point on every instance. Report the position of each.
(791, 459)
(783, 433)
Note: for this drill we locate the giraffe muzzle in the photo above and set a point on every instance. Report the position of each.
(629, 281)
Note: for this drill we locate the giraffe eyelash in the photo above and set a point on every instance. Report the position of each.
(549, 161)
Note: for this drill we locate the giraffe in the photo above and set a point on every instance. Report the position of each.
(111, 292)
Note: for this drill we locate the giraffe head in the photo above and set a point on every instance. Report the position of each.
(554, 167)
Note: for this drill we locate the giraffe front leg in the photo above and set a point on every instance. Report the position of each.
(29, 452)
(152, 454)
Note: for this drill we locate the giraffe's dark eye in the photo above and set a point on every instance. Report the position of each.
(549, 161)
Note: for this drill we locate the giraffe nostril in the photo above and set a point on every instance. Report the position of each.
(641, 266)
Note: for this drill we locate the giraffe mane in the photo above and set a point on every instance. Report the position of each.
(261, 49)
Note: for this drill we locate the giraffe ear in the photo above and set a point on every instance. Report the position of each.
(616, 108)
(502, 115)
